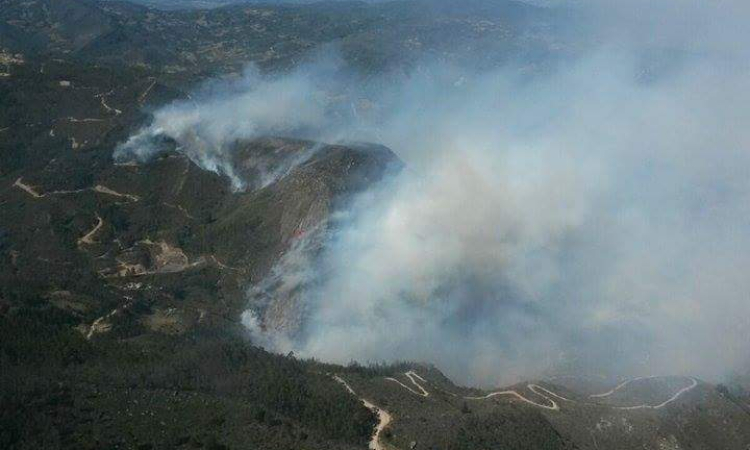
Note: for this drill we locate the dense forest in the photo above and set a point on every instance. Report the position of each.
(209, 389)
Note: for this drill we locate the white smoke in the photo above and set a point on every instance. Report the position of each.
(595, 212)
(222, 114)
(588, 213)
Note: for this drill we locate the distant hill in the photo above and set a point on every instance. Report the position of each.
(190, 43)
(208, 4)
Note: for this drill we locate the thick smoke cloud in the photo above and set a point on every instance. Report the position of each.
(589, 214)
(594, 215)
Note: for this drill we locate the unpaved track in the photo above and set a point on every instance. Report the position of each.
(545, 393)
(34, 193)
(89, 237)
(101, 325)
(422, 392)
(411, 375)
(26, 188)
(619, 386)
(106, 106)
(86, 120)
(180, 209)
(221, 265)
(549, 395)
(142, 97)
(98, 188)
(105, 190)
(677, 395)
(384, 417)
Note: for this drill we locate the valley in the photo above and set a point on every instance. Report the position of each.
(164, 295)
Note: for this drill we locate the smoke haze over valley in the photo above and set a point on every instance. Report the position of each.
(400, 224)
(589, 213)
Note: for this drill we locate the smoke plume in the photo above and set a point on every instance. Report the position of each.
(207, 126)
(594, 214)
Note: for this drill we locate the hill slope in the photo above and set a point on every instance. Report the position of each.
(122, 283)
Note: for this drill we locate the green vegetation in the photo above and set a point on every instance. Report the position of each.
(206, 389)
(168, 365)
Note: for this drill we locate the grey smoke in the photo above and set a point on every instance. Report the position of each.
(588, 214)
(595, 214)
(207, 126)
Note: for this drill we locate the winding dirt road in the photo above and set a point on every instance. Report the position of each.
(620, 386)
(105, 105)
(98, 188)
(548, 395)
(101, 325)
(535, 388)
(411, 375)
(384, 417)
(89, 237)
(538, 390)
(693, 384)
